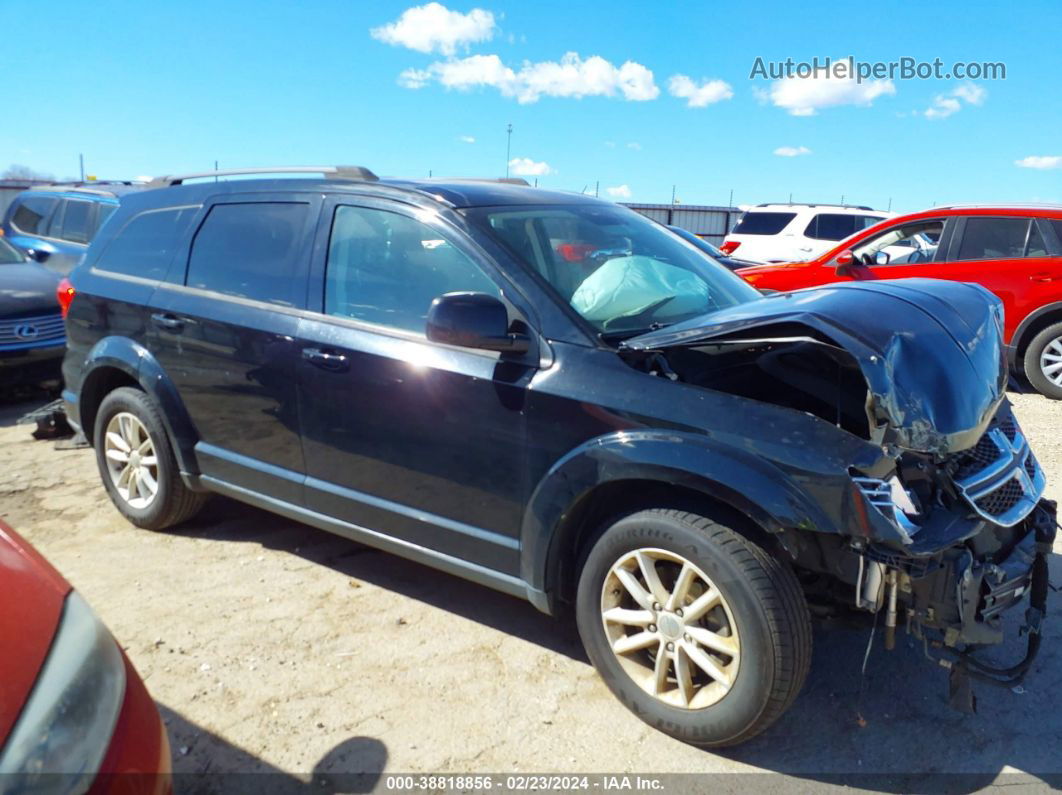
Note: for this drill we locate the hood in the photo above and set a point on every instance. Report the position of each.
(931, 351)
(31, 602)
(27, 289)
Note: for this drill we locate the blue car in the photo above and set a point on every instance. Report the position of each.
(55, 223)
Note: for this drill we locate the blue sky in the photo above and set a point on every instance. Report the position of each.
(148, 88)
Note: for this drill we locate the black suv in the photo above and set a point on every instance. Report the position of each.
(556, 397)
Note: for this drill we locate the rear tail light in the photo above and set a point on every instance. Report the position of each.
(729, 247)
(65, 293)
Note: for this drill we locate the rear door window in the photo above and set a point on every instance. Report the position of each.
(994, 238)
(145, 246)
(832, 226)
(252, 250)
(763, 223)
(33, 213)
(77, 221)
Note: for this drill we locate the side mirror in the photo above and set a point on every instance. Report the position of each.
(844, 261)
(38, 254)
(473, 320)
(881, 258)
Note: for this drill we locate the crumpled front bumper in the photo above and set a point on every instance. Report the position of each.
(965, 598)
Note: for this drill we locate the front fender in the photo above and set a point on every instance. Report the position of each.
(137, 362)
(740, 479)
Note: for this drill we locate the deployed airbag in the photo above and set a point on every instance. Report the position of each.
(629, 286)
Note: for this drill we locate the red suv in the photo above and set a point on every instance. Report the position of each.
(1015, 251)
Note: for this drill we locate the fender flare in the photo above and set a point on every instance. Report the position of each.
(742, 480)
(1023, 328)
(138, 363)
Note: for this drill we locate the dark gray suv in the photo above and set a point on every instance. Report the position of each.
(558, 398)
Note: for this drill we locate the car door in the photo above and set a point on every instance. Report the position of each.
(905, 250)
(1010, 256)
(416, 439)
(223, 330)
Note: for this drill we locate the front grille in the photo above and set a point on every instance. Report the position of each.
(28, 332)
(1000, 476)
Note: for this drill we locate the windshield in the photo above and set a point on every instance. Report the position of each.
(620, 271)
(699, 242)
(9, 255)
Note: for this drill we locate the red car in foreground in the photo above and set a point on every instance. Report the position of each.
(1015, 251)
(74, 715)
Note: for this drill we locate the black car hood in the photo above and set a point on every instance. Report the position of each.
(27, 290)
(931, 351)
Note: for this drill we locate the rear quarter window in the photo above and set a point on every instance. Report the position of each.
(32, 214)
(145, 245)
(756, 223)
(833, 226)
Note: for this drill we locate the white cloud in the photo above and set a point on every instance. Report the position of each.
(971, 92)
(792, 151)
(1040, 161)
(699, 96)
(466, 139)
(610, 144)
(526, 167)
(619, 192)
(435, 28)
(805, 96)
(945, 105)
(637, 147)
(572, 76)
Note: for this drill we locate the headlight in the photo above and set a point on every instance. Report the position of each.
(62, 734)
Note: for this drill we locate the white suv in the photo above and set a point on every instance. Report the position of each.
(796, 232)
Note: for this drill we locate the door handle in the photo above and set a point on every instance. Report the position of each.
(169, 322)
(326, 360)
(1042, 277)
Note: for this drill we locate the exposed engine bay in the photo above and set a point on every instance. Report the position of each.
(945, 528)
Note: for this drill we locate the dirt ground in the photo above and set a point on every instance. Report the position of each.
(272, 646)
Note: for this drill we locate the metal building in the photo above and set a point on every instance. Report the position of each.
(711, 223)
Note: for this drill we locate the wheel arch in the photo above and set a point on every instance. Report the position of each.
(118, 361)
(626, 472)
(1031, 326)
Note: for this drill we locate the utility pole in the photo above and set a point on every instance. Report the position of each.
(597, 187)
(508, 143)
(790, 197)
(215, 169)
(730, 201)
(672, 194)
(842, 198)
(889, 208)
(81, 164)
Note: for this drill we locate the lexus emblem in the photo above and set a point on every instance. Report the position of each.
(27, 331)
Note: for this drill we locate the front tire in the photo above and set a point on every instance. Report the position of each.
(137, 465)
(1043, 362)
(697, 630)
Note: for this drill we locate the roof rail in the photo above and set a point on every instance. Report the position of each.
(331, 172)
(1016, 205)
(817, 204)
(506, 180)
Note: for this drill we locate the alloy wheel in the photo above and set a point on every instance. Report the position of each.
(670, 628)
(131, 460)
(1051, 361)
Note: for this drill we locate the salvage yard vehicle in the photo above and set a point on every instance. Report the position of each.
(54, 224)
(1015, 251)
(32, 335)
(74, 714)
(634, 433)
(787, 232)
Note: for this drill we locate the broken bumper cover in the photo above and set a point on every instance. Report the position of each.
(962, 601)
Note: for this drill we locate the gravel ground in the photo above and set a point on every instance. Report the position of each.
(273, 646)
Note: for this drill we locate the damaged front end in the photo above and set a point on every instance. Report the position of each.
(942, 522)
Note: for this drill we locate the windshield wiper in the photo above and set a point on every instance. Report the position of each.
(626, 334)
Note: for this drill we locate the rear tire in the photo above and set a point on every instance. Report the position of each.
(137, 465)
(709, 676)
(1043, 362)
